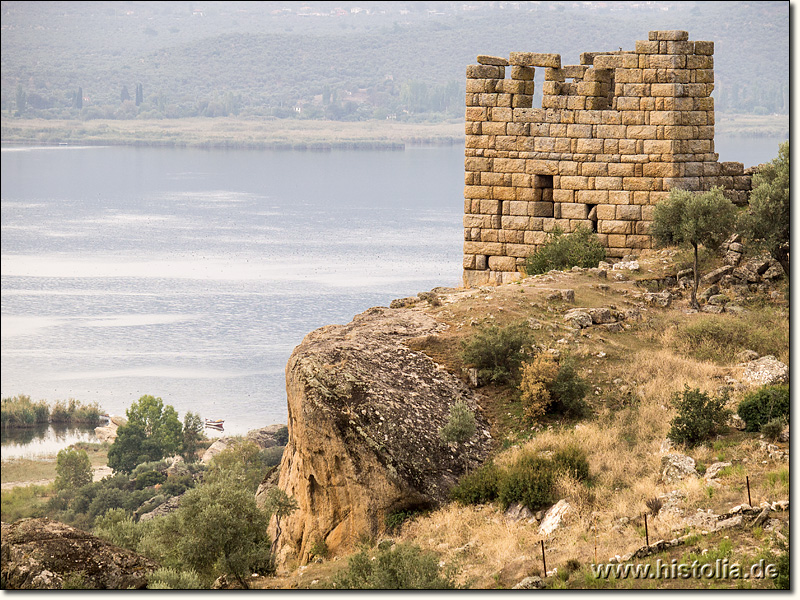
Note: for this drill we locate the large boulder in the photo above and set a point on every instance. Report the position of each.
(767, 370)
(675, 467)
(364, 416)
(39, 554)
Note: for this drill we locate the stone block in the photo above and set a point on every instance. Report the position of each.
(471, 221)
(699, 62)
(666, 117)
(489, 206)
(574, 183)
(579, 131)
(589, 146)
(474, 113)
(576, 102)
(592, 196)
(491, 179)
(594, 169)
(612, 131)
(641, 132)
(563, 195)
(628, 212)
(574, 211)
(541, 167)
(660, 146)
(540, 209)
(616, 241)
(502, 263)
(673, 35)
(487, 248)
(646, 47)
(610, 146)
(608, 183)
(680, 132)
(598, 74)
(476, 86)
(476, 141)
(620, 169)
(501, 114)
(516, 208)
(477, 163)
(485, 72)
(511, 236)
(506, 143)
(476, 191)
(682, 47)
(521, 101)
(662, 169)
(522, 73)
(554, 75)
(535, 59)
(596, 103)
(535, 237)
(638, 242)
(703, 76)
(674, 90)
(502, 100)
(639, 184)
(628, 76)
(606, 212)
(504, 193)
(607, 61)
(698, 90)
(704, 48)
(634, 117)
(493, 128)
(492, 60)
(509, 165)
(520, 250)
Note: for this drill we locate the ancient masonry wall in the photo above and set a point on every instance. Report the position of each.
(613, 136)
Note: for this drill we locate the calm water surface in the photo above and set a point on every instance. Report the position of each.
(192, 274)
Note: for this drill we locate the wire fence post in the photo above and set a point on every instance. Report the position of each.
(749, 501)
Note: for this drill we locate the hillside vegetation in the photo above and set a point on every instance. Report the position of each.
(124, 60)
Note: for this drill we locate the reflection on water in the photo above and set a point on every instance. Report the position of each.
(45, 440)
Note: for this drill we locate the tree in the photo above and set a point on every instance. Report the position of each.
(694, 219)
(242, 460)
(79, 98)
(152, 432)
(73, 469)
(22, 99)
(278, 504)
(766, 222)
(124, 95)
(222, 525)
(192, 434)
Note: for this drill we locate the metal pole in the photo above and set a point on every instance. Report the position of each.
(544, 563)
(749, 501)
(646, 534)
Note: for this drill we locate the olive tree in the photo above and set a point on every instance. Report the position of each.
(152, 432)
(766, 221)
(693, 219)
(73, 469)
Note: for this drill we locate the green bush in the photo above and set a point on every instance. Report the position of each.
(173, 579)
(20, 411)
(118, 527)
(568, 391)
(699, 416)
(282, 436)
(581, 248)
(272, 456)
(478, 487)
(573, 461)
(498, 352)
(773, 429)
(528, 481)
(401, 567)
(763, 405)
(149, 478)
(73, 469)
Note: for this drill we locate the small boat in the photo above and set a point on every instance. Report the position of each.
(215, 423)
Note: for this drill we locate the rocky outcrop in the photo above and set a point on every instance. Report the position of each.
(364, 415)
(767, 370)
(40, 554)
(675, 467)
(108, 432)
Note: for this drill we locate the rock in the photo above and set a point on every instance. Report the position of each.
(718, 300)
(767, 370)
(762, 518)
(677, 467)
(746, 356)
(734, 521)
(784, 436)
(711, 309)
(41, 554)
(631, 265)
(715, 275)
(364, 416)
(662, 299)
(568, 295)
(666, 446)
(214, 449)
(553, 517)
(708, 292)
(737, 422)
(714, 469)
(404, 302)
(600, 315)
(613, 327)
(267, 437)
(171, 505)
(578, 318)
(530, 583)
(108, 432)
(517, 512)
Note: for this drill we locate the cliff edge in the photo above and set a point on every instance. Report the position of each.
(364, 416)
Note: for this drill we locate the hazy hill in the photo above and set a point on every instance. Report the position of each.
(346, 60)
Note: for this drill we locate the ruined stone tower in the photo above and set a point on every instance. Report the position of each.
(613, 136)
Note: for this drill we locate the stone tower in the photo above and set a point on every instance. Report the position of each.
(613, 136)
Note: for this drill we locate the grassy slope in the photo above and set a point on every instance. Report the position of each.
(633, 374)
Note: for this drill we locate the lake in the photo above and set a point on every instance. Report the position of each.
(192, 274)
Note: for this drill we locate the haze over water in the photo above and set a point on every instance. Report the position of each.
(192, 274)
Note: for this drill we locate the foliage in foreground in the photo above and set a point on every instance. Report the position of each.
(766, 404)
(498, 352)
(401, 567)
(581, 248)
(699, 416)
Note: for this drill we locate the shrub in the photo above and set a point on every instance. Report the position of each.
(581, 248)
(173, 579)
(573, 461)
(394, 520)
(549, 387)
(772, 429)
(20, 411)
(272, 456)
(118, 527)
(319, 549)
(149, 478)
(282, 436)
(529, 481)
(763, 405)
(460, 426)
(401, 567)
(479, 487)
(498, 352)
(699, 416)
(534, 392)
(73, 469)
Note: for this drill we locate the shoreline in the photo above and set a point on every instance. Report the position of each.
(289, 134)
